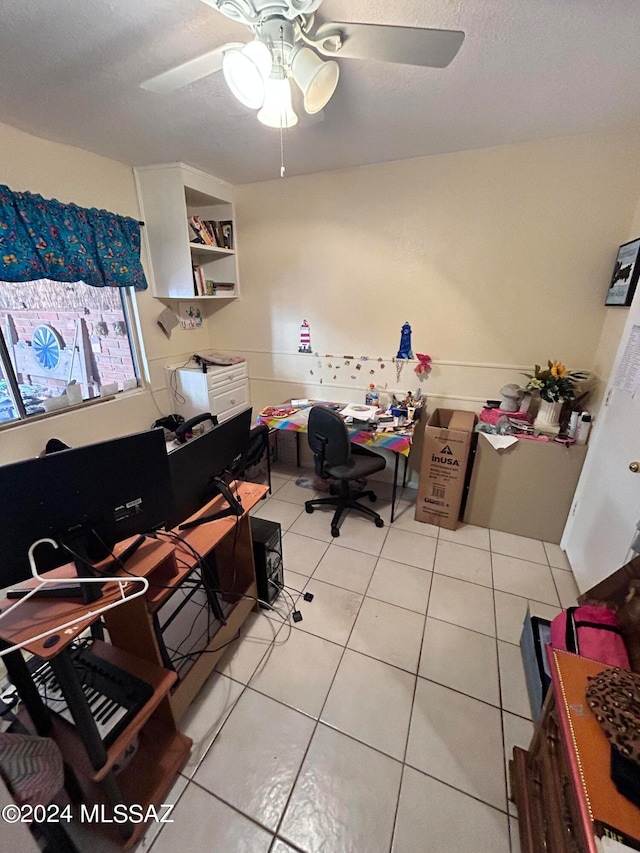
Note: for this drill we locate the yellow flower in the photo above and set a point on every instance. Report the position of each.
(558, 370)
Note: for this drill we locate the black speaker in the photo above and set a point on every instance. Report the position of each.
(267, 556)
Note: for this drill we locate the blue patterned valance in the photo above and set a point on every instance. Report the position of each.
(41, 238)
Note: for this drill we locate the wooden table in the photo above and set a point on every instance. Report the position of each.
(397, 441)
(561, 785)
(162, 749)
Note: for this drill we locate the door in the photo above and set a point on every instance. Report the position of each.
(606, 506)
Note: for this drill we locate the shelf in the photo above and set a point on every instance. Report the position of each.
(209, 252)
(162, 753)
(187, 688)
(162, 680)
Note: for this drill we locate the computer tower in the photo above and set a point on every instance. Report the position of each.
(267, 556)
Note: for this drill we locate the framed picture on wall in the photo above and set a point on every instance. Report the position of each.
(625, 274)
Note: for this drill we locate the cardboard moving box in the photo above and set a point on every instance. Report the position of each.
(447, 442)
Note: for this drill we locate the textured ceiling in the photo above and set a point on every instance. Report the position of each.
(528, 69)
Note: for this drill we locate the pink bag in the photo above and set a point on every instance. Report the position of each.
(592, 632)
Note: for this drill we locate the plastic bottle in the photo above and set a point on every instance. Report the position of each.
(574, 420)
(371, 397)
(583, 428)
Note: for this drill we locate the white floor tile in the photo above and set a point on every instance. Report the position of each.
(410, 548)
(511, 611)
(332, 612)
(462, 603)
(301, 554)
(201, 818)
(297, 494)
(253, 762)
(150, 835)
(556, 556)
(435, 817)
(517, 732)
(512, 682)
(283, 512)
(461, 659)
(458, 740)
(405, 519)
(360, 533)
(280, 847)
(467, 534)
(344, 799)
(277, 482)
(518, 546)
(396, 583)
(316, 524)
(524, 578)
(463, 562)
(298, 670)
(388, 633)
(566, 586)
(371, 701)
(245, 653)
(346, 568)
(206, 715)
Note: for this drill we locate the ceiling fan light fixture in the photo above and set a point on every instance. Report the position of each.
(246, 71)
(278, 111)
(316, 78)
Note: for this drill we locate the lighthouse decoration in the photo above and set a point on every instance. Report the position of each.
(305, 338)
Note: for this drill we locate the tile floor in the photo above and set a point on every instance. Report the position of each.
(384, 720)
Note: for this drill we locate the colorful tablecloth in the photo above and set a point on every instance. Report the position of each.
(398, 442)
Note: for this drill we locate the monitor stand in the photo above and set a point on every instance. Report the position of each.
(234, 508)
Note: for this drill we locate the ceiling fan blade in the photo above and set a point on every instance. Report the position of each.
(405, 45)
(189, 72)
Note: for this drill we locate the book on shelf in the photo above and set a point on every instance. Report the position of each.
(198, 280)
(194, 236)
(198, 226)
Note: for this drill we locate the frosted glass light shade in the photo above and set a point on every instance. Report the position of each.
(316, 78)
(246, 71)
(277, 110)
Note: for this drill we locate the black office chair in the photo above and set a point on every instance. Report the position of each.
(258, 447)
(335, 458)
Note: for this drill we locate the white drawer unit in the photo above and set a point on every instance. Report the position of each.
(223, 391)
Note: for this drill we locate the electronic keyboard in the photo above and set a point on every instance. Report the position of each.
(114, 695)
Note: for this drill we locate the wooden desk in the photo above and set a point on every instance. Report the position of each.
(561, 785)
(162, 749)
(399, 443)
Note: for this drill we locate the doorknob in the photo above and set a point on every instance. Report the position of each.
(634, 466)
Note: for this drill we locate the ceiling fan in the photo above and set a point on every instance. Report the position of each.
(287, 45)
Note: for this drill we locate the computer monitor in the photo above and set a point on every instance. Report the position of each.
(198, 467)
(88, 497)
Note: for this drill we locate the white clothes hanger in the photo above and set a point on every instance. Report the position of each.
(89, 614)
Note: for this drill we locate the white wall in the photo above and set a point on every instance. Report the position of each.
(73, 175)
(499, 258)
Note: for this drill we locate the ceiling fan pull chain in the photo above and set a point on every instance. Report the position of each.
(282, 168)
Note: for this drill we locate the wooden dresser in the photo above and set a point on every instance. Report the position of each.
(561, 785)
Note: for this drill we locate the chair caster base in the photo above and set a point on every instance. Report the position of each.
(379, 522)
(308, 508)
(335, 531)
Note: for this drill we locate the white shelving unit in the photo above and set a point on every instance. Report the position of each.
(169, 195)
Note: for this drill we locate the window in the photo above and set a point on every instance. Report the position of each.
(57, 333)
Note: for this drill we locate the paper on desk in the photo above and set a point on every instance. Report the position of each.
(360, 413)
(499, 442)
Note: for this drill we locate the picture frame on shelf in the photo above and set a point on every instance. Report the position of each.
(226, 229)
(625, 274)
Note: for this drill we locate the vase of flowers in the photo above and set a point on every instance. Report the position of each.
(556, 386)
